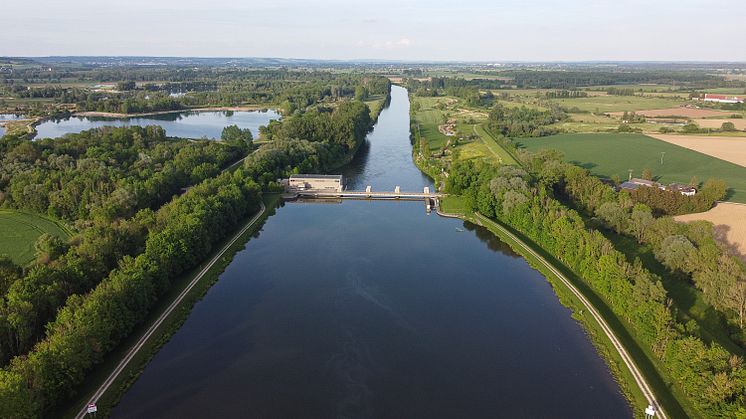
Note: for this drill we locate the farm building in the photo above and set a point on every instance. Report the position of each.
(682, 189)
(723, 98)
(635, 183)
(316, 182)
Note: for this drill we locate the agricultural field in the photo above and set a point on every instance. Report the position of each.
(728, 220)
(678, 111)
(609, 155)
(732, 149)
(20, 232)
(611, 103)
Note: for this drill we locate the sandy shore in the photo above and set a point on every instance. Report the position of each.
(732, 149)
(729, 225)
(138, 115)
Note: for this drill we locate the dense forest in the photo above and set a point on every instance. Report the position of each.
(315, 141)
(107, 181)
(712, 378)
(150, 90)
(523, 121)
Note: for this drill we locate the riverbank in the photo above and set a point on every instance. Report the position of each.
(111, 379)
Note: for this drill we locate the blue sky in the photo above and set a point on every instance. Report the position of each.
(528, 30)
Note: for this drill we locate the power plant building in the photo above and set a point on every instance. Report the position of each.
(327, 183)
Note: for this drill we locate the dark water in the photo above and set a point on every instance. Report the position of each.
(373, 310)
(186, 124)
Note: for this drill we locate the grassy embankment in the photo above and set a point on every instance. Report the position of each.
(167, 329)
(608, 155)
(20, 230)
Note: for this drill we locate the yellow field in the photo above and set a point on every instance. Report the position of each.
(730, 228)
(732, 149)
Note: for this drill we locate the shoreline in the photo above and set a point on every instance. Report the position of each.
(118, 115)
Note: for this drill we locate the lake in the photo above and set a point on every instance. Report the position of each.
(183, 124)
(375, 309)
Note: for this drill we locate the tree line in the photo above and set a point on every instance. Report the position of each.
(713, 380)
(690, 251)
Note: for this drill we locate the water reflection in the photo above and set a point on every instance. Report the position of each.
(183, 124)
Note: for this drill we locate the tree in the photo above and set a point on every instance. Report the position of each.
(690, 128)
(640, 220)
(49, 247)
(677, 253)
(126, 85)
(727, 126)
(232, 134)
(613, 214)
(9, 273)
(361, 93)
(647, 174)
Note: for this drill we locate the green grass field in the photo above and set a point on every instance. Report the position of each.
(601, 104)
(606, 155)
(20, 231)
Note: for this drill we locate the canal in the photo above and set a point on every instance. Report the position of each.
(374, 309)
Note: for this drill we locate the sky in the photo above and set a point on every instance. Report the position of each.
(452, 30)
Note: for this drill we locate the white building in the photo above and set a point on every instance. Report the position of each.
(316, 182)
(722, 98)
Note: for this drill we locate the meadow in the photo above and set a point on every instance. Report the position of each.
(610, 103)
(20, 232)
(608, 155)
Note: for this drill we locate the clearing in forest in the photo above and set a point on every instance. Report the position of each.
(20, 231)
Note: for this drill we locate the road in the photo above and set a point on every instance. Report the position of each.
(152, 329)
(636, 374)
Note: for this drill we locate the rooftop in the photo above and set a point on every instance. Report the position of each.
(306, 176)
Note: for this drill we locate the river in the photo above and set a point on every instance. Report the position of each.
(374, 309)
(180, 124)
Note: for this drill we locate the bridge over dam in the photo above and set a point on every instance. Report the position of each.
(332, 187)
(367, 194)
(431, 199)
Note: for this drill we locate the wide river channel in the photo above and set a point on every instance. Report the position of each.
(375, 309)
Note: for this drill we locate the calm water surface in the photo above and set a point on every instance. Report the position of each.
(11, 117)
(374, 309)
(186, 124)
